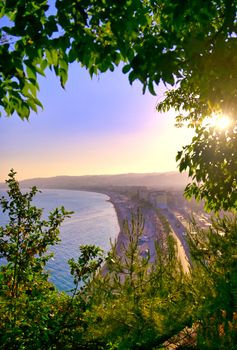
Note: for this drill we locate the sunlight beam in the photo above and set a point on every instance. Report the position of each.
(219, 121)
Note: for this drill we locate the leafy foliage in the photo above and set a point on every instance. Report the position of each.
(189, 46)
(211, 162)
(158, 40)
(28, 46)
(130, 301)
(34, 320)
(214, 283)
(89, 261)
(30, 305)
(127, 303)
(24, 240)
(120, 305)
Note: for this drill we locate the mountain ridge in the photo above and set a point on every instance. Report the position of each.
(171, 180)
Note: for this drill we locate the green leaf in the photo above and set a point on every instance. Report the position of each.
(31, 72)
(179, 155)
(33, 88)
(23, 111)
(63, 77)
(151, 88)
(52, 57)
(43, 65)
(126, 68)
(38, 102)
(39, 70)
(132, 76)
(72, 56)
(32, 104)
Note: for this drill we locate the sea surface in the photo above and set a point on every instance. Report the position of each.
(94, 222)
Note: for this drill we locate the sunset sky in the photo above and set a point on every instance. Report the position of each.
(98, 126)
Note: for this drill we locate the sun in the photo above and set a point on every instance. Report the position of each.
(219, 121)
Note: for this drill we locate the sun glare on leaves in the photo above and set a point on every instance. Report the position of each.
(219, 121)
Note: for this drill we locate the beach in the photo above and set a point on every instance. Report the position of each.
(125, 207)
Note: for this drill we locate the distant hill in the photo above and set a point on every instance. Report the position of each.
(168, 180)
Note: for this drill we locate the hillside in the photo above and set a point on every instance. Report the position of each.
(168, 180)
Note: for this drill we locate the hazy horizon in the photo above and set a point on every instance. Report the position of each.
(99, 175)
(163, 181)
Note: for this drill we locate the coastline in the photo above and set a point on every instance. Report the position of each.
(153, 229)
(125, 203)
(124, 206)
(122, 214)
(120, 239)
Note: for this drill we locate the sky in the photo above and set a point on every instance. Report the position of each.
(95, 126)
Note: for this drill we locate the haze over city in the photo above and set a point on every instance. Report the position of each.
(95, 126)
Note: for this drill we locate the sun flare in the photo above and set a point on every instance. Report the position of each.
(219, 121)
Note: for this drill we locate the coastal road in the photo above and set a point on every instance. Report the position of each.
(153, 230)
(125, 207)
(179, 230)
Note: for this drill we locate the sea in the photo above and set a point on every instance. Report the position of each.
(94, 221)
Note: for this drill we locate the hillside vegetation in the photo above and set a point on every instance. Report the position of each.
(130, 304)
(190, 47)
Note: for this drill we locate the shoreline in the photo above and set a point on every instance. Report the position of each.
(153, 230)
(124, 206)
(121, 215)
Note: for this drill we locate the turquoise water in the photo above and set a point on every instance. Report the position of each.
(94, 222)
